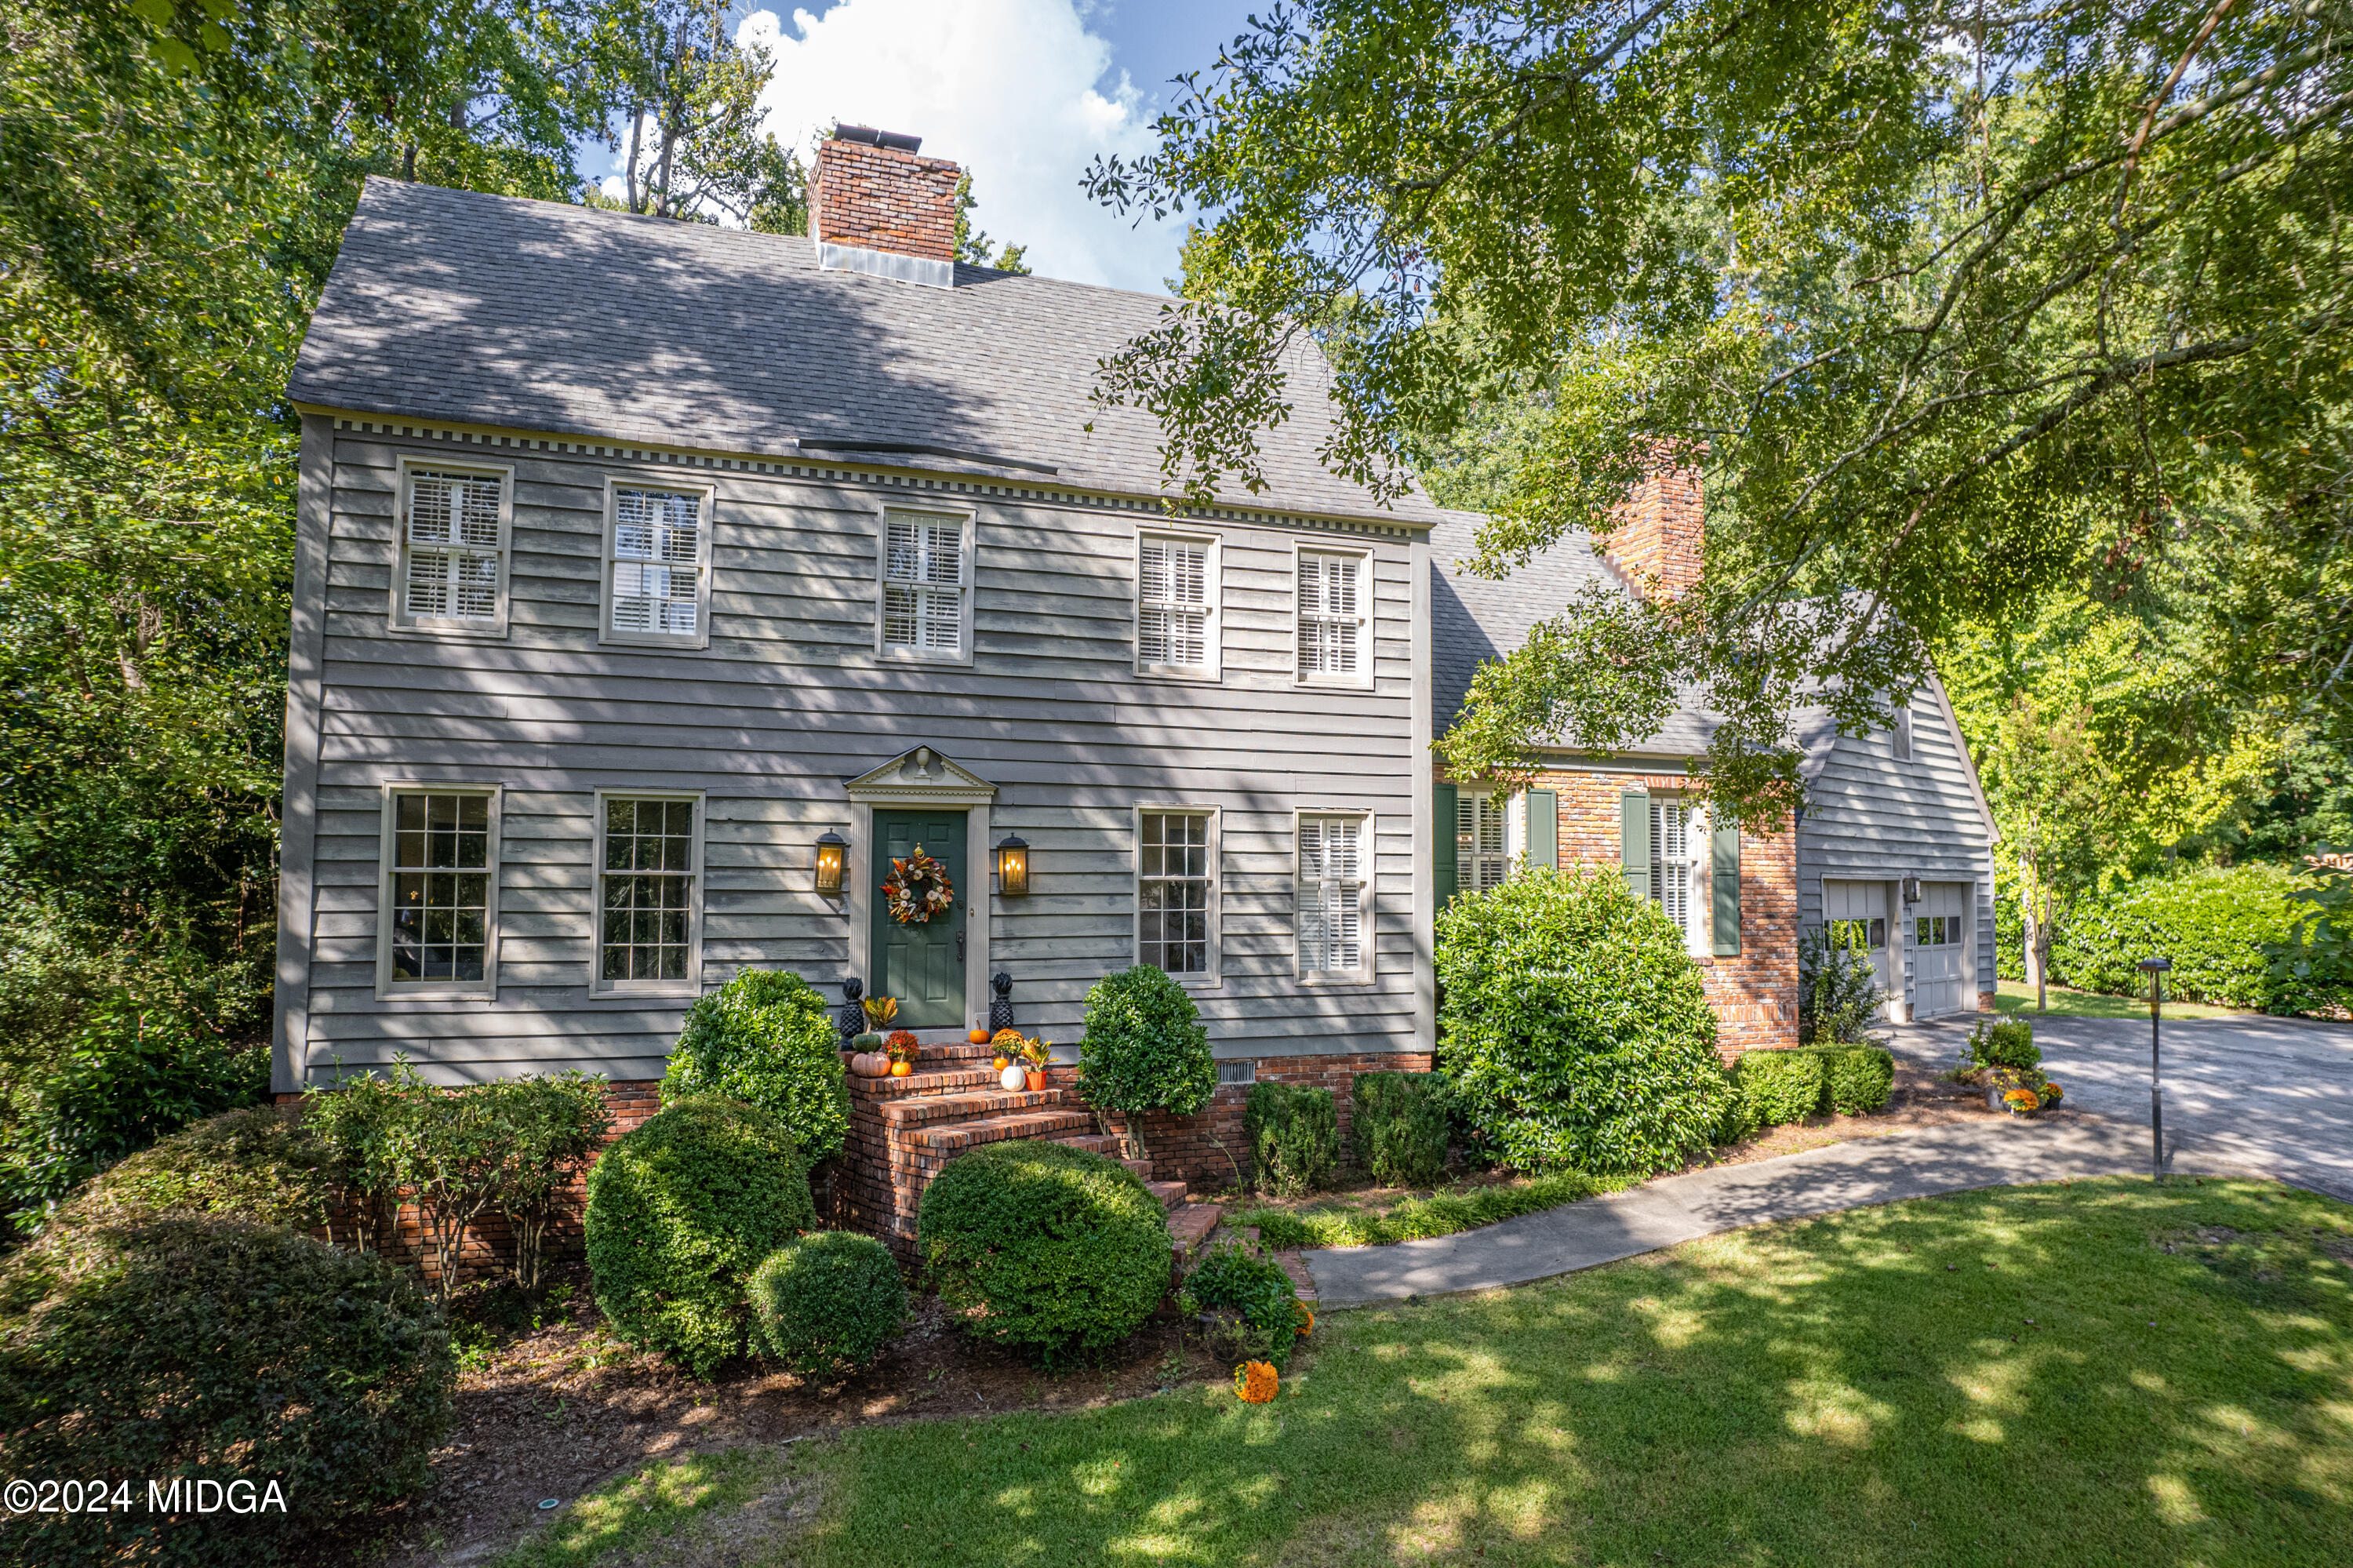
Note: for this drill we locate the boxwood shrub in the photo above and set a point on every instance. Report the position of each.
(1044, 1248)
(680, 1211)
(1576, 1031)
(1294, 1137)
(2004, 1042)
(2220, 926)
(1144, 1048)
(1773, 1087)
(260, 1164)
(203, 1349)
(1397, 1127)
(765, 1038)
(1857, 1078)
(1233, 1277)
(833, 1298)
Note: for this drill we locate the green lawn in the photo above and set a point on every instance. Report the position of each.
(2100, 1372)
(2018, 997)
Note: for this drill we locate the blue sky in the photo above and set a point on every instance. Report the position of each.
(1024, 93)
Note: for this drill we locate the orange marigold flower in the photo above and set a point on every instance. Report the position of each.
(1006, 1040)
(1256, 1382)
(1306, 1316)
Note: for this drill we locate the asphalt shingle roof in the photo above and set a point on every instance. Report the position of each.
(569, 320)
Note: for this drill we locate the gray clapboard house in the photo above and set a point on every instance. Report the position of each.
(648, 572)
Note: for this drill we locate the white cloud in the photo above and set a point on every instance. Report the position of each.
(1015, 90)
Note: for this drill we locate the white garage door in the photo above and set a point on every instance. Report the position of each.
(1941, 982)
(1857, 913)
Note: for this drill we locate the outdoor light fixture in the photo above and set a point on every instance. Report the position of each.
(1911, 890)
(832, 864)
(1013, 866)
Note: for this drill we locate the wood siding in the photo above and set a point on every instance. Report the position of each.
(787, 702)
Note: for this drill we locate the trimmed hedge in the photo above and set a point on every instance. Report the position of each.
(1774, 1088)
(680, 1211)
(1398, 1125)
(207, 1348)
(1294, 1137)
(1042, 1247)
(765, 1038)
(2220, 926)
(828, 1299)
(1233, 1277)
(260, 1164)
(1576, 1032)
(1144, 1048)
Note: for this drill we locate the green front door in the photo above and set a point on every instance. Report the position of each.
(922, 965)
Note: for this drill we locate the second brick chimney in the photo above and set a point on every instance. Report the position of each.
(875, 206)
(1660, 530)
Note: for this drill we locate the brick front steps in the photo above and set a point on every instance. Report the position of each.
(903, 1131)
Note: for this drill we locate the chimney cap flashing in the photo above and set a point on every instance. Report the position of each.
(897, 140)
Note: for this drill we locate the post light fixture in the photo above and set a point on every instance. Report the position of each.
(1013, 866)
(2156, 969)
(832, 864)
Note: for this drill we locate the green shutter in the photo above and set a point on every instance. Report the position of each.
(1443, 812)
(1634, 840)
(1544, 827)
(1723, 885)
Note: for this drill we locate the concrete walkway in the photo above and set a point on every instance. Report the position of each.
(1950, 1158)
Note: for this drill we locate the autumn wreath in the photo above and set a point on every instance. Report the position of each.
(918, 888)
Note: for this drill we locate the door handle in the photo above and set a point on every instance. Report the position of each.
(959, 946)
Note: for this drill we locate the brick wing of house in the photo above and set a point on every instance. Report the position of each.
(1893, 849)
(660, 585)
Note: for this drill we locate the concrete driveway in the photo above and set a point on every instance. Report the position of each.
(2269, 1095)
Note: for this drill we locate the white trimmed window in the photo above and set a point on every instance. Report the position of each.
(648, 876)
(1678, 864)
(657, 566)
(1175, 605)
(1335, 855)
(439, 934)
(1334, 599)
(1175, 891)
(453, 542)
(1479, 861)
(925, 584)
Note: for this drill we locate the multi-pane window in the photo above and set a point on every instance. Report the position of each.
(1331, 616)
(440, 891)
(451, 543)
(646, 892)
(1174, 620)
(657, 562)
(1675, 861)
(1939, 930)
(923, 583)
(1479, 860)
(1859, 936)
(1331, 893)
(1173, 889)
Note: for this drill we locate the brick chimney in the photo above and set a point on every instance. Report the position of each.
(870, 193)
(1660, 530)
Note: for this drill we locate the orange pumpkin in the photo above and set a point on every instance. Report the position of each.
(900, 1069)
(1001, 1063)
(979, 1037)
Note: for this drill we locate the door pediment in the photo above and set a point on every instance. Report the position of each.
(921, 777)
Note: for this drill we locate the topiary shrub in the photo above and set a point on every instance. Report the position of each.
(680, 1211)
(1145, 1049)
(1576, 1030)
(260, 1164)
(1042, 1247)
(208, 1351)
(1294, 1137)
(1778, 1087)
(833, 1298)
(1397, 1127)
(1858, 1079)
(763, 1038)
(2004, 1042)
(2222, 927)
(1232, 1277)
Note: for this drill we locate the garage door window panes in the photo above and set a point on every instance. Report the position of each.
(1939, 931)
(1859, 936)
(1479, 859)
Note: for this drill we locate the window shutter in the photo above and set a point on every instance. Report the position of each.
(1724, 887)
(1634, 841)
(1443, 810)
(1544, 827)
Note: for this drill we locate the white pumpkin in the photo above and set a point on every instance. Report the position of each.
(1014, 1077)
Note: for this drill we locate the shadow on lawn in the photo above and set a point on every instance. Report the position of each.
(2099, 1371)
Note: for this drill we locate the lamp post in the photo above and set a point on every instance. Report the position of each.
(2156, 969)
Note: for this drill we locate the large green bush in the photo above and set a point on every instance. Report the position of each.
(1293, 1133)
(1042, 1247)
(831, 1299)
(1144, 1048)
(262, 1164)
(2221, 928)
(1398, 1125)
(680, 1211)
(202, 1349)
(1576, 1030)
(765, 1038)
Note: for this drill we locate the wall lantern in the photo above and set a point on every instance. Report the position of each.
(1911, 890)
(832, 864)
(1013, 866)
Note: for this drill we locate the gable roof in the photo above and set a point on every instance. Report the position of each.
(574, 320)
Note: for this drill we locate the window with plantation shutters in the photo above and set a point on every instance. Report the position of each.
(1480, 862)
(924, 581)
(1672, 861)
(1175, 605)
(453, 547)
(1332, 852)
(656, 564)
(1332, 616)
